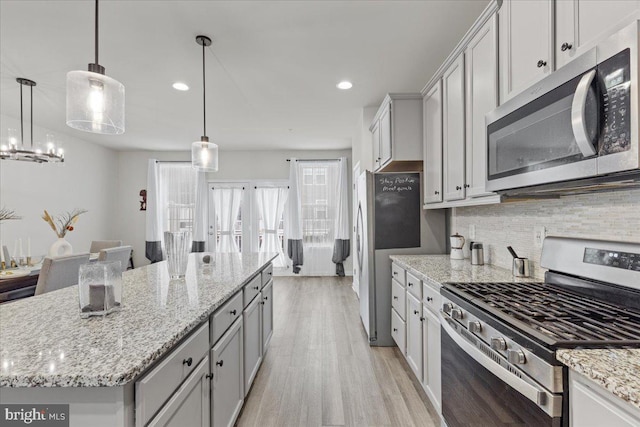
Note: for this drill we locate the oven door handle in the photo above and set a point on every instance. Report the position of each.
(531, 392)
(579, 113)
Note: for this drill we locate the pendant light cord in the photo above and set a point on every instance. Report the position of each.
(31, 116)
(96, 37)
(204, 93)
(21, 118)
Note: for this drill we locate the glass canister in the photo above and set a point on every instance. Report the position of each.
(177, 245)
(100, 287)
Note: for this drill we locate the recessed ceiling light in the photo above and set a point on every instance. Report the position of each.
(344, 85)
(180, 86)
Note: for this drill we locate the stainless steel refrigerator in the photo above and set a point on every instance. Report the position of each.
(390, 221)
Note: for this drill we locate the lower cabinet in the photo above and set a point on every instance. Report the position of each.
(189, 406)
(431, 358)
(227, 368)
(267, 315)
(414, 334)
(398, 331)
(252, 318)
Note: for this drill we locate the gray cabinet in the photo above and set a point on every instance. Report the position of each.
(432, 140)
(189, 406)
(267, 316)
(252, 318)
(227, 368)
(454, 130)
(414, 334)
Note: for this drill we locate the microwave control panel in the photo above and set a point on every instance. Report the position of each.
(614, 74)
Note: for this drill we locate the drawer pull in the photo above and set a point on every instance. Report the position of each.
(422, 319)
(395, 297)
(220, 363)
(541, 63)
(187, 362)
(209, 376)
(410, 284)
(266, 298)
(256, 287)
(270, 273)
(395, 273)
(233, 312)
(429, 299)
(416, 312)
(395, 329)
(566, 46)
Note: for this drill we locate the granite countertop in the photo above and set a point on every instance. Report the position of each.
(45, 343)
(439, 269)
(617, 370)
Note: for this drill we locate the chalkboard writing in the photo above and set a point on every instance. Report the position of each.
(397, 210)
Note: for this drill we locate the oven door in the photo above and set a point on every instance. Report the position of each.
(479, 388)
(548, 133)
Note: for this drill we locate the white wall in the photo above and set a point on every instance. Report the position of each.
(87, 179)
(362, 148)
(233, 165)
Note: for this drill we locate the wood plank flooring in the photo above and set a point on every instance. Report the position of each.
(320, 370)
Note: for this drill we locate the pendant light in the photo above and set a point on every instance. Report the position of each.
(16, 150)
(95, 102)
(204, 154)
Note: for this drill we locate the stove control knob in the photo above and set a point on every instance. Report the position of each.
(456, 313)
(516, 357)
(447, 307)
(475, 326)
(498, 343)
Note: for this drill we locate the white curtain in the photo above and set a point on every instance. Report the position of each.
(153, 232)
(293, 219)
(342, 244)
(201, 214)
(226, 202)
(177, 188)
(271, 203)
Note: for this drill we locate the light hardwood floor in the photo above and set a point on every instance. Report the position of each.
(320, 370)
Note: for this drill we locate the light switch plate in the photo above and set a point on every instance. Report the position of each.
(539, 233)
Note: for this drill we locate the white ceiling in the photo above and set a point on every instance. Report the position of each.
(271, 71)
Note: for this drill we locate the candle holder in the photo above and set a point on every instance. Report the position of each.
(100, 287)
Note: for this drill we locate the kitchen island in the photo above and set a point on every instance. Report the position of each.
(48, 354)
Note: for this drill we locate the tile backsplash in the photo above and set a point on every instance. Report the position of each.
(612, 216)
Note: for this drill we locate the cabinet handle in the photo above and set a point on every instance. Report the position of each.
(429, 299)
(566, 46)
(395, 329)
(467, 186)
(261, 302)
(416, 312)
(436, 192)
(233, 312)
(410, 284)
(422, 319)
(395, 298)
(266, 298)
(270, 273)
(209, 376)
(541, 63)
(395, 273)
(220, 363)
(256, 287)
(187, 362)
(458, 187)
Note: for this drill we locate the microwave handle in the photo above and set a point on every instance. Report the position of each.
(578, 115)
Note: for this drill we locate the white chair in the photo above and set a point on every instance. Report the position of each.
(120, 253)
(98, 245)
(60, 272)
(7, 256)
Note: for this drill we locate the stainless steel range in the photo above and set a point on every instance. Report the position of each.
(499, 339)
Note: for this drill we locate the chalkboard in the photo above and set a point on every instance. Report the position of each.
(397, 210)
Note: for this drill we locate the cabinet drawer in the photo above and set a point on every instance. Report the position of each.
(267, 274)
(414, 286)
(159, 384)
(431, 298)
(398, 330)
(397, 273)
(398, 299)
(225, 316)
(251, 289)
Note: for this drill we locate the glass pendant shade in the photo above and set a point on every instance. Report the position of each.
(95, 103)
(204, 156)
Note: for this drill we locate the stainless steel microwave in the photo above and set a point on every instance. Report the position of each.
(579, 122)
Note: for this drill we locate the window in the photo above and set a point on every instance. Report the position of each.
(319, 179)
(177, 190)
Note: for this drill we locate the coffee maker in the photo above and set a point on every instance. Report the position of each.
(457, 243)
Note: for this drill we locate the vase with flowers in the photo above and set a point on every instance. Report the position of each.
(62, 224)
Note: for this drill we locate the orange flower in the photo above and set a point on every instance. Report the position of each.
(70, 228)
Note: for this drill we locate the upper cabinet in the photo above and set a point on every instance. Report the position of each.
(580, 23)
(432, 112)
(526, 44)
(453, 134)
(396, 134)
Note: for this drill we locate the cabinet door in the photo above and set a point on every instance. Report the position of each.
(432, 140)
(414, 334)
(526, 44)
(375, 142)
(453, 135)
(189, 406)
(431, 358)
(580, 23)
(252, 318)
(228, 377)
(267, 316)
(385, 135)
(481, 71)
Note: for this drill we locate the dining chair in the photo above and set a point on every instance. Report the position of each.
(7, 256)
(98, 245)
(120, 253)
(60, 272)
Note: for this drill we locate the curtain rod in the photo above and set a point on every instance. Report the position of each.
(315, 160)
(273, 186)
(173, 161)
(213, 188)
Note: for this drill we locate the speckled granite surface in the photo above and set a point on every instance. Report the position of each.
(45, 343)
(438, 269)
(617, 370)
